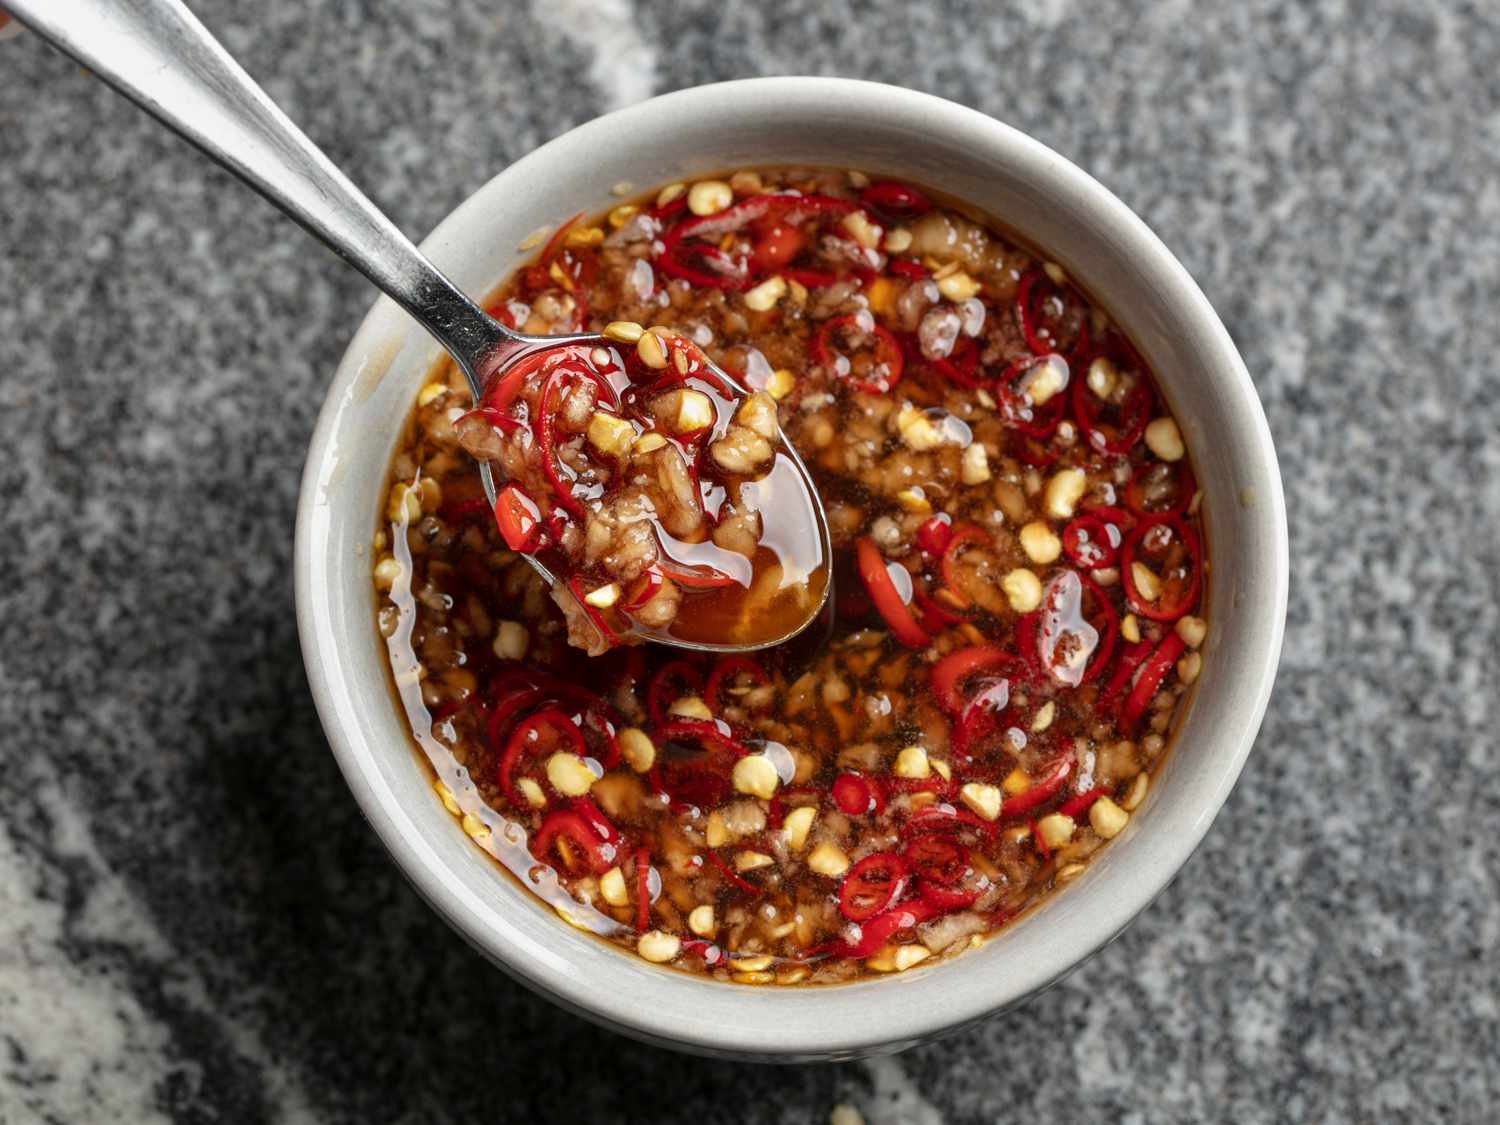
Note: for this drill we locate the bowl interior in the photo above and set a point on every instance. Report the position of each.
(1055, 207)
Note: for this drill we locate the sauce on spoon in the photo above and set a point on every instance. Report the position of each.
(658, 496)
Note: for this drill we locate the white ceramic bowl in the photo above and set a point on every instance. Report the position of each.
(1060, 209)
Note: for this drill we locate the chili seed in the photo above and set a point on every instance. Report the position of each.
(623, 331)
(1192, 630)
(797, 825)
(1165, 440)
(1040, 542)
(1107, 818)
(1189, 667)
(912, 762)
(569, 775)
(709, 197)
(1056, 829)
(612, 888)
(637, 749)
(649, 347)
(983, 800)
(828, 859)
(1023, 589)
(658, 947)
(1064, 490)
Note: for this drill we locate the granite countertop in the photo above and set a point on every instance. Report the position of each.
(195, 923)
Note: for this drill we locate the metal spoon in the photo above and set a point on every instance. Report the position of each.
(158, 55)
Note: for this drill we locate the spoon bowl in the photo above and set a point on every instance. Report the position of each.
(790, 473)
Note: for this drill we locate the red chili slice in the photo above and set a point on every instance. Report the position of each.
(775, 246)
(704, 265)
(1131, 659)
(1092, 540)
(570, 825)
(546, 445)
(519, 520)
(507, 706)
(1180, 579)
(935, 784)
(1094, 607)
(1064, 638)
(465, 511)
(734, 879)
(905, 267)
(447, 710)
(1040, 325)
(895, 200)
(663, 691)
(689, 785)
(881, 928)
(643, 589)
(964, 535)
(707, 950)
(554, 243)
(642, 889)
(1184, 485)
(696, 578)
(1151, 675)
(706, 734)
(671, 209)
(1042, 790)
(948, 675)
(934, 533)
(602, 719)
(987, 711)
(572, 359)
(882, 590)
(946, 818)
(490, 416)
(871, 885)
(515, 673)
(519, 744)
(861, 343)
(1077, 806)
(1016, 407)
(937, 859)
(716, 270)
(945, 900)
(724, 670)
(810, 279)
(594, 613)
(1129, 418)
(1106, 623)
(933, 616)
(586, 808)
(1039, 839)
(856, 795)
(502, 313)
(961, 365)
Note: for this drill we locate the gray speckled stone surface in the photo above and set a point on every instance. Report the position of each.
(196, 925)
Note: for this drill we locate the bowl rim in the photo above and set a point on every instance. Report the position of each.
(706, 1016)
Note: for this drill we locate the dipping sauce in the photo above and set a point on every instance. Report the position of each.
(1019, 566)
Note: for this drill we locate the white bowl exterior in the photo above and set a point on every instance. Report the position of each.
(1031, 189)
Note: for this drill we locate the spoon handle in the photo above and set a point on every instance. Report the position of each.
(161, 57)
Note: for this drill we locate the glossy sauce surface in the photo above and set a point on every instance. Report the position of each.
(1019, 567)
